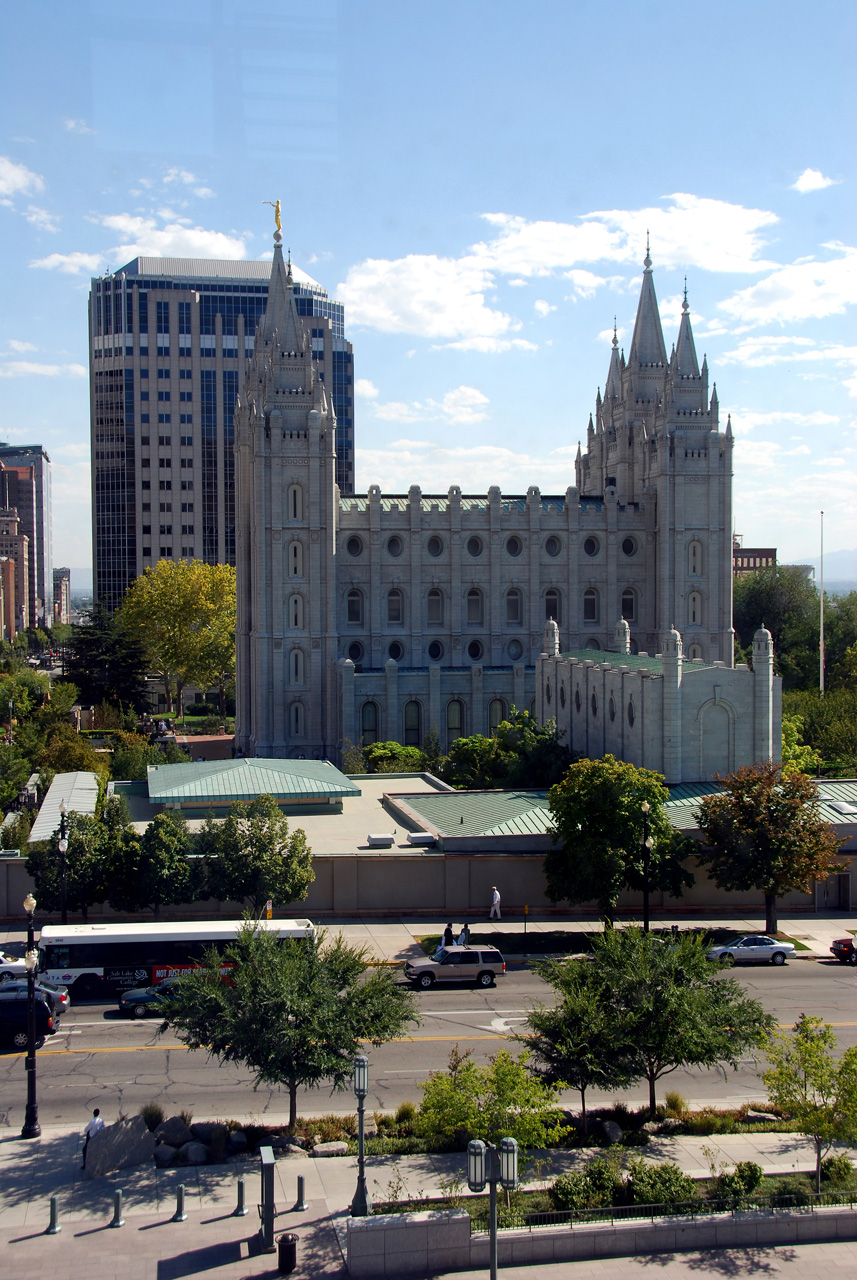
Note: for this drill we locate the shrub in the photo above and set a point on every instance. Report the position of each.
(152, 1114)
(598, 1184)
(570, 1191)
(744, 1179)
(660, 1183)
(187, 1116)
(406, 1114)
(837, 1168)
(675, 1104)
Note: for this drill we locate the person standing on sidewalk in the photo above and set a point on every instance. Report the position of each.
(494, 913)
(95, 1125)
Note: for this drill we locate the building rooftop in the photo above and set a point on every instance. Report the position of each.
(228, 780)
(633, 661)
(483, 813)
(209, 269)
(80, 792)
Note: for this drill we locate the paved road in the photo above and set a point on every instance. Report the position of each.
(101, 1059)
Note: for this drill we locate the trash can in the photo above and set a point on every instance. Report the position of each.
(287, 1253)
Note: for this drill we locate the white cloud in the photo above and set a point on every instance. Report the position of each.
(543, 308)
(41, 218)
(71, 263)
(366, 389)
(812, 180)
(29, 369)
(800, 291)
(17, 180)
(489, 346)
(400, 411)
(204, 193)
(585, 283)
(17, 345)
(77, 126)
(474, 468)
(180, 175)
(744, 420)
(756, 453)
(464, 405)
(144, 236)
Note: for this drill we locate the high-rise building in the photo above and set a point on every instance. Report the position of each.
(169, 341)
(32, 483)
(62, 595)
(15, 546)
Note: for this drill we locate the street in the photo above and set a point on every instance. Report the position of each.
(100, 1059)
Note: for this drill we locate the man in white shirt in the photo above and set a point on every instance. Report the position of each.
(95, 1125)
(494, 913)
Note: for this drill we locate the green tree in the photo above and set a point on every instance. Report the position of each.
(57, 707)
(671, 1007)
(153, 870)
(182, 613)
(829, 726)
(88, 862)
(252, 855)
(392, 757)
(294, 1012)
(598, 835)
(15, 769)
(519, 753)
(576, 1042)
(132, 755)
(798, 756)
(765, 831)
(783, 599)
(500, 1100)
(105, 663)
(68, 752)
(818, 1093)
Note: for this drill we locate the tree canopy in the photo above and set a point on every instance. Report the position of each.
(252, 855)
(764, 831)
(294, 1012)
(182, 614)
(107, 663)
(519, 753)
(598, 829)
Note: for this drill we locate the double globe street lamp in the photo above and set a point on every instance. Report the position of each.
(487, 1163)
(63, 850)
(32, 1128)
(361, 1205)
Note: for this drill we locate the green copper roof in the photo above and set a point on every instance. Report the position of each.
(633, 661)
(246, 779)
(484, 813)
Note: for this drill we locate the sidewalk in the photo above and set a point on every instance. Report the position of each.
(152, 1247)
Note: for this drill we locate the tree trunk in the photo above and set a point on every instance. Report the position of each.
(770, 913)
(584, 1117)
(293, 1105)
(652, 1103)
(818, 1166)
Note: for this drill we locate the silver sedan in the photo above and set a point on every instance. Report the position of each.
(753, 948)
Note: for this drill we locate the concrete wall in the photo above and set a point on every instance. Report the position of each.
(425, 1243)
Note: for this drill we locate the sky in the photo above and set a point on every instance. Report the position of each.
(475, 181)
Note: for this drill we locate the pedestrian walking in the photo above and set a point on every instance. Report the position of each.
(448, 936)
(95, 1125)
(464, 936)
(494, 913)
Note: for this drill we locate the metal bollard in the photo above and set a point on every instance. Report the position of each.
(240, 1210)
(118, 1220)
(301, 1203)
(54, 1228)
(179, 1215)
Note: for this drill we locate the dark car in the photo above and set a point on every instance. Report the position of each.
(146, 1000)
(56, 995)
(13, 1020)
(843, 950)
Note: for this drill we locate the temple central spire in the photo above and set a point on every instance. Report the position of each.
(647, 345)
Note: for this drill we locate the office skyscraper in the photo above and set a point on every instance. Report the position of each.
(27, 489)
(169, 341)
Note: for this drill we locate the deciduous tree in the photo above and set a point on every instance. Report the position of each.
(88, 862)
(765, 831)
(294, 1012)
(153, 870)
(598, 835)
(818, 1093)
(252, 855)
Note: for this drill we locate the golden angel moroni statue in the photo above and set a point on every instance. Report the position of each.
(276, 208)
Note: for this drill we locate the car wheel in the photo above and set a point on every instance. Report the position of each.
(19, 1039)
(425, 980)
(140, 1010)
(6, 977)
(486, 979)
(778, 957)
(728, 958)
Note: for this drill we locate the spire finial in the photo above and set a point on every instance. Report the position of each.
(615, 336)
(647, 261)
(278, 224)
(684, 305)
(289, 268)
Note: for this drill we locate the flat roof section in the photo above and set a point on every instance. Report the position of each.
(224, 781)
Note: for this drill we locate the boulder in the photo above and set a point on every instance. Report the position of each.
(236, 1141)
(761, 1117)
(330, 1149)
(119, 1146)
(165, 1155)
(211, 1132)
(194, 1153)
(174, 1131)
(612, 1132)
(671, 1124)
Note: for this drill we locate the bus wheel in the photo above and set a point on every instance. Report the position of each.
(86, 987)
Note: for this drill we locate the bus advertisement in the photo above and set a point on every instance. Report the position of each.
(96, 959)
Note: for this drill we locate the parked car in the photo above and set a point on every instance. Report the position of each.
(13, 1020)
(57, 995)
(457, 964)
(843, 950)
(753, 948)
(11, 967)
(145, 1000)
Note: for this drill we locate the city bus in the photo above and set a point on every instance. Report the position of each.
(105, 959)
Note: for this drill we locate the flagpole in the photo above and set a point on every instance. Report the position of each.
(821, 614)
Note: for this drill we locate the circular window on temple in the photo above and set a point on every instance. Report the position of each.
(632, 715)
(591, 546)
(435, 651)
(629, 546)
(612, 708)
(515, 650)
(577, 702)
(434, 546)
(355, 652)
(562, 695)
(396, 651)
(354, 546)
(553, 546)
(514, 546)
(395, 546)
(474, 547)
(475, 650)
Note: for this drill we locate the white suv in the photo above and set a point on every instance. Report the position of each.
(457, 964)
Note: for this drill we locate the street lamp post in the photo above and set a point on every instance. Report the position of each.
(487, 1163)
(648, 844)
(63, 850)
(32, 1128)
(361, 1205)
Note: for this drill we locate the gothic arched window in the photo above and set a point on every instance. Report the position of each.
(296, 502)
(454, 721)
(474, 606)
(553, 603)
(694, 558)
(413, 724)
(591, 610)
(694, 609)
(296, 612)
(434, 602)
(354, 606)
(496, 713)
(368, 723)
(629, 605)
(514, 612)
(296, 559)
(296, 719)
(394, 605)
(296, 666)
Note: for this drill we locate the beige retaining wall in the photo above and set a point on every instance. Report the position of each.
(423, 1243)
